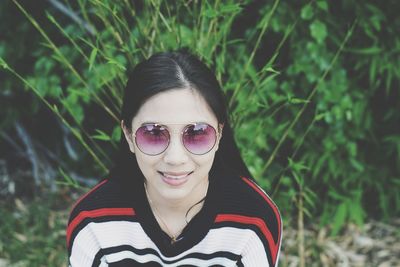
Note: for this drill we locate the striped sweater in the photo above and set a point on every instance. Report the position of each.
(112, 225)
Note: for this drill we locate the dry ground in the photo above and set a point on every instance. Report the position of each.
(377, 244)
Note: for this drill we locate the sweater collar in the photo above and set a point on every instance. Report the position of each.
(193, 233)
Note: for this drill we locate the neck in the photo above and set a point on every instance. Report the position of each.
(173, 216)
(177, 208)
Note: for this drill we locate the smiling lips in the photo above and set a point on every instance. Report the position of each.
(175, 178)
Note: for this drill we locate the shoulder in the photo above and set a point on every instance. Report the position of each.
(244, 196)
(105, 201)
(247, 205)
(262, 203)
(105, 194)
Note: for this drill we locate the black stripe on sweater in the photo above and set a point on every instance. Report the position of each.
(254, 228)
(196, 255)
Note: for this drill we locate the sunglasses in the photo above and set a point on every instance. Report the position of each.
(153, 139)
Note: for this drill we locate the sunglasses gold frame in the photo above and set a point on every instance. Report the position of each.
(186, 125)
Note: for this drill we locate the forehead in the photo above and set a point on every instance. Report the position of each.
(175, 106)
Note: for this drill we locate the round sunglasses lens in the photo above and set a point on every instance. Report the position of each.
(199, 138)
(152, 139)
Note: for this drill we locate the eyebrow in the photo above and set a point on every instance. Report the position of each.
(173, 123)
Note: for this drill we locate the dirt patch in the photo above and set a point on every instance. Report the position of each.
(376, 244)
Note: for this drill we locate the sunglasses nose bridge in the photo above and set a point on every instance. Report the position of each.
(175, 153)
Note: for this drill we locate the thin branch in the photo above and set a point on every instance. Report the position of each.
(11, 141)
(310, 96)
(32, 156)
(71, 14)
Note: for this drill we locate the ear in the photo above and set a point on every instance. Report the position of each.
(128, 136)
(219, 135)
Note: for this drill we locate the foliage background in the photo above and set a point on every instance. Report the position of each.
(313, 88)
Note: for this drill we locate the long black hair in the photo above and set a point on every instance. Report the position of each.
(174, 70)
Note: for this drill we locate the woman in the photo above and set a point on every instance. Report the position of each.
(180, 193)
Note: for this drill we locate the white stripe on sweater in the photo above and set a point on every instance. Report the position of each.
(96, 236)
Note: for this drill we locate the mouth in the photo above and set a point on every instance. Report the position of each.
(175, 175)
(175, 178)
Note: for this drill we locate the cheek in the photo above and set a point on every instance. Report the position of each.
(204, 162)
(146, 163)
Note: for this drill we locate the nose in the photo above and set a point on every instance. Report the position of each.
(176, 153)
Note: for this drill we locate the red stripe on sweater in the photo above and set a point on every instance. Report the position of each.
(254, 221)
(270, 203)
(88, 193)
(95, 214)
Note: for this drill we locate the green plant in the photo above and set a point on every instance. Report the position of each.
(33, 234)
(310, 83)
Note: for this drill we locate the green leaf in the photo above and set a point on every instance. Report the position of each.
(102, 136)
(376, 23)
(307, 12)
(322, 5)
(230, 9)
(320, 116)
(269, 69)
(68, 180)
(307, 212)
(318, 31)
(294, 100)
(372, 50)
(186, 35)
(299, 180)
(116, 63)
(357, 165)
(92, 57)
(210, 12)
(261, 141)
(356, 213)
(74, 108)
(332, 193)
(55, 108)
(3, 63)
(308, 198)
(321, 161)
(287, 181)
(339, 218)
(116, 134)
(297, 166)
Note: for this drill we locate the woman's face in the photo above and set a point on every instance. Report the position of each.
(175, 174)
